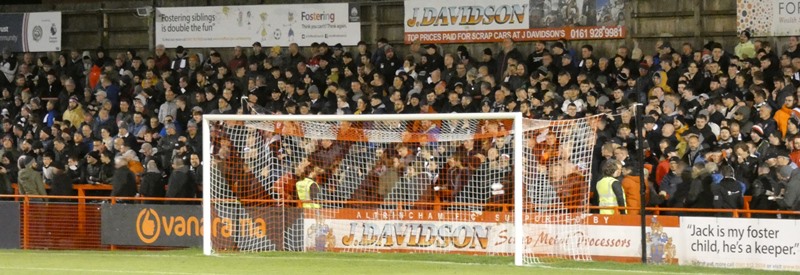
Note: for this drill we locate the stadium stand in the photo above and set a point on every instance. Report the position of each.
(88, 118)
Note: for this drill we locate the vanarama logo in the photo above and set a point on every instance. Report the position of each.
(468, 15)
(152, 226)
(148, 225)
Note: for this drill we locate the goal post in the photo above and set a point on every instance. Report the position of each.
(519, 235)
(471, 183)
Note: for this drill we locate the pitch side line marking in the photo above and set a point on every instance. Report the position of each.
(317, 258)
(96, 270)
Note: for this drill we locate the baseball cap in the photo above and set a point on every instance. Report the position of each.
(101, 92)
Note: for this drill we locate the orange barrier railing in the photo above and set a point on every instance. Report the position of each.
(72, 222)
(68, 222)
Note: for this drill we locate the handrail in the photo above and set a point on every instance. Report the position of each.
(699, 210)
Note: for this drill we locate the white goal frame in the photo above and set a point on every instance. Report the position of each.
(517, 131)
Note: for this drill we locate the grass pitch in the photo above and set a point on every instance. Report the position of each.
(191, 261)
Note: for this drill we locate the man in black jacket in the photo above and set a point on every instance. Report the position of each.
(61, 184)
(123, 182)
(152, 183)
(179, 185)
(509, 51)
(196, 173)
(728, 193)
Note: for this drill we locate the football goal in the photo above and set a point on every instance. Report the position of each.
(480, 183)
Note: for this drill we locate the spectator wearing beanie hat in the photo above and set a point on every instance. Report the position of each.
(757, 136)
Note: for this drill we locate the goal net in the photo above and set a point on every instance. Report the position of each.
(431, 183)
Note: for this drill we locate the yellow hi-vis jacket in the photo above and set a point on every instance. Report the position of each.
(606, 196)
(304, 192)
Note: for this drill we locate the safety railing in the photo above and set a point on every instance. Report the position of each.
(74, 222)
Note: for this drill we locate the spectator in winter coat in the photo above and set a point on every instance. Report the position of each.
(764, 187)
(671, 181)
(7, 174)
(123, 182)
(728, 194)
(61, 184)
(76, 170)
(791, 194)
(196, 173)
(631, 185)
(153, 184)
(700, 195)
(30, 180)
(179, 185)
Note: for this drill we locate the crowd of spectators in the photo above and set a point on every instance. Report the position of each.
(87, 117)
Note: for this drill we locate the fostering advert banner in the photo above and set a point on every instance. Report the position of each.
(740, 243)
(272, 25)
(30, 32)
(768, 17)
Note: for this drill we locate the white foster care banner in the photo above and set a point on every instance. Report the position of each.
(768, 17)
(272, 25)
(740, 243)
